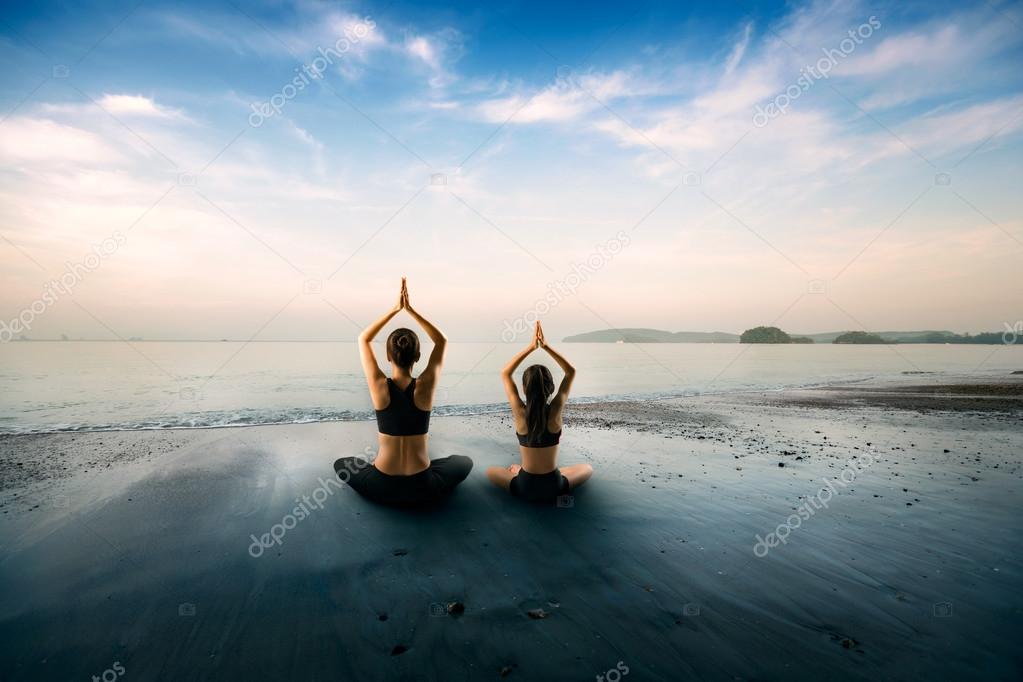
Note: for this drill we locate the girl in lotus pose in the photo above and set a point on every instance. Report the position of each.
(402, 473)
(538, 427)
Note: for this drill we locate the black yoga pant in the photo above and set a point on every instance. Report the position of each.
(427, 487)
(539, 487)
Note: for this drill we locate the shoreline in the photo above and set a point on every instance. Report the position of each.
(33, 466)
(984, 381)
(136, 547)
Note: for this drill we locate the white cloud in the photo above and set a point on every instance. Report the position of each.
(44, 140)
(437, 51)
(314, 145)
(119, 105)
(553, 104)
(818, 182)
(699, 125)
(137, 105)
(313, 29)
(739, 50)
(423, 49)
(956, 54)
(966, 127)
(362, 31)
(908, 50)
(564, 100)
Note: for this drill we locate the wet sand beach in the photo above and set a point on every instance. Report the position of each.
(147, 550)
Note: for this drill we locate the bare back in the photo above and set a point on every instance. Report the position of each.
(405, 455)
(539, 460)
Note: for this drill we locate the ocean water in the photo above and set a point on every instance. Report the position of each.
(58, 386)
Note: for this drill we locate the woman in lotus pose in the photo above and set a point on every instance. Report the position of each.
(538, 427)
(402, 473)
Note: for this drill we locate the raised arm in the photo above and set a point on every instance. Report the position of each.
(512, 391)
(561, 397)
(429, 375)
(375, 378)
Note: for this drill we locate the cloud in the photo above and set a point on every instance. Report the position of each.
(650, 111)
(564, 100)
(314, 145)
(907, 50)
(119, 105)
(955, 54)
(739, 49)
(437, 51)
(137, 105)
(947, 131)
(423, 49)
(44, 140)
(248, 35)
(819, 182)
(552, 104)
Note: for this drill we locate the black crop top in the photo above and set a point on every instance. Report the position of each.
(401, 417)
(546, 440)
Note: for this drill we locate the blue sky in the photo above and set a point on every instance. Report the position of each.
(487, 152)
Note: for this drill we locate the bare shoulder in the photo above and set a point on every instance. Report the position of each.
(555, 416)
(425, 391)
(519, 416)
(380, 394)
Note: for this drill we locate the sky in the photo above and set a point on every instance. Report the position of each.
(271, 170)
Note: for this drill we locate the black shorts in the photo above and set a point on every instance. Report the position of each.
(427, 487)
(539, 487)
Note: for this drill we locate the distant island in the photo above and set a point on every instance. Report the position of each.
(770, 335)
(651, 336)
(859, 337)
(775, 335)
(921, 337)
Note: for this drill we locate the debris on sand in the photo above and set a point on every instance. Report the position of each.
(536, 614)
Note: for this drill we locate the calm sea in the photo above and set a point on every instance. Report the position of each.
(113, 385)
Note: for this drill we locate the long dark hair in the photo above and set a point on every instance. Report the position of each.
(538, 385)
(403, 348)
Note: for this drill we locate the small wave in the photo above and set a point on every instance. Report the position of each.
(267, 417)
(204, 420)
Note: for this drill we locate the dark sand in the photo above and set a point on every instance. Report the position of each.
(133, 549)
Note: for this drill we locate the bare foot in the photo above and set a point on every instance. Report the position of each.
(514, 469)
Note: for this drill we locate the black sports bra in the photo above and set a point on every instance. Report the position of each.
(546, 440)
(401, 417)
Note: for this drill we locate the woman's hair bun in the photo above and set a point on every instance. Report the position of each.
(403, 347)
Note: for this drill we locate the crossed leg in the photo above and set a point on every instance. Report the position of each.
(577, 474)
(451, 470)
(503, 476)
